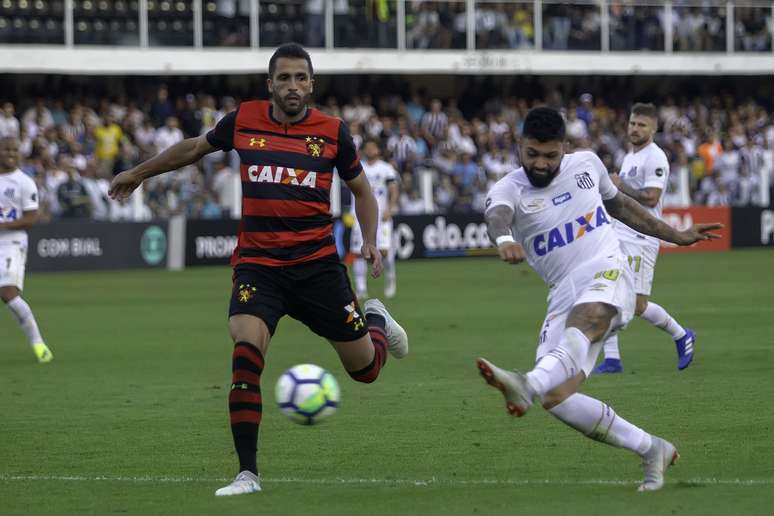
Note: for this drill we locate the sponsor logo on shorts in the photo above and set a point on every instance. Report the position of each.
(246, 292)
(561, 199)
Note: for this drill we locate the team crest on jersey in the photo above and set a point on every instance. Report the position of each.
(246, 293)
(632, 171)
(315, 146)
(584, 181)
(353, 317)
(9, 192)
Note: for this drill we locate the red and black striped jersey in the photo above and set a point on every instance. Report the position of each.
(286, 173)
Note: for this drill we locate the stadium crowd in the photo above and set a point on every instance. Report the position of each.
(72, 150)
(634, 25)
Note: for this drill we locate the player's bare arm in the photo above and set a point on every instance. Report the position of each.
(631, 213)
(498, 224)
(179, 155)
(647, 196)
(367, 211)
(27, 220)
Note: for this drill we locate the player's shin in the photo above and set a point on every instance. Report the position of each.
(611, 347)
(389, 275)
(561, 363)
(656, 315)
(245, 404)
(23, 314)
(370, 373)
(599, 422)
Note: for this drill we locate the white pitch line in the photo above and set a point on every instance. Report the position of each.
(389, 482)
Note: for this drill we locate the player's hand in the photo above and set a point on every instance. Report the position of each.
(372, 255)
(124, 184)
(511, 252)
(697, 233)
(616, 179)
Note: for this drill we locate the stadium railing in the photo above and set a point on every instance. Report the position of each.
(461, 36)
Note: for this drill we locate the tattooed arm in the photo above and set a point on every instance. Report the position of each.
(631, 213)
(498, 225)
(647, 196)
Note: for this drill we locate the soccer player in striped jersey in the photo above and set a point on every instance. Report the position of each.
(643, 177)
(285, 262)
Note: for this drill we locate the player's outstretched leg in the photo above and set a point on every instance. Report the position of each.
(599, 422)
(683, 337)
(612, 363)
(245, 405)
(359, 271)
(23, 315)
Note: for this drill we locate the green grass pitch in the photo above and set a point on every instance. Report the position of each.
(131, 417)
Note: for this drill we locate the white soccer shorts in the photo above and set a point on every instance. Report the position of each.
(383, 237)
(642, 261)
(607, 280)
(13, 259)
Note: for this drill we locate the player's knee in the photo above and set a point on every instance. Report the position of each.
(593, 319)
(8, 293)
(642, 304)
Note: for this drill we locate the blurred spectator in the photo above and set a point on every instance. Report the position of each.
(168, 134)
(9, 125)
(72, 194)
(107, 137)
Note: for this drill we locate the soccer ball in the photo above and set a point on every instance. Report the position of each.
(307, 394)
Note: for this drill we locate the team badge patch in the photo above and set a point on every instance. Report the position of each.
(315, 146)
(246, 293)
(9, 193)
(633, 172)
(584, 181)
(659, 172)
(353, 317)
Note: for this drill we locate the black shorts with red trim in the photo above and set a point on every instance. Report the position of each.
(317, 293)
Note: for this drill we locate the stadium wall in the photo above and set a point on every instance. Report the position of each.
(179, 243)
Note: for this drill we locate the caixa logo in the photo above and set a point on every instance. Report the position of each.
(281, 175)
(568, 232)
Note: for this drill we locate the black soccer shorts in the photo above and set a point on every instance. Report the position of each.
(316, 293)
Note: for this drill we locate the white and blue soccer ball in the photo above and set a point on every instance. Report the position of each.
(307, 394)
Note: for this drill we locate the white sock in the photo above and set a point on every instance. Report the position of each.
(389, 269)
(561, 363)
(598, 421)
(611, 347)
(23, 313)
(660, 318)
(360, 268)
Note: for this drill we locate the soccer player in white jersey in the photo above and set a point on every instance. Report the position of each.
(383, 179)
(18, 211)
(643, 177)
(560, 209)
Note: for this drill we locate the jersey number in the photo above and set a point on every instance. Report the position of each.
(10, 215)
(637, 260)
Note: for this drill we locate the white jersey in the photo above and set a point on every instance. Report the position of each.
(565, 224)
(18, 193)
(646, 168)
(379, 176)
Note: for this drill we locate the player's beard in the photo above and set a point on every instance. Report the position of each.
(540, 181)
(638, 140)
(282, 103)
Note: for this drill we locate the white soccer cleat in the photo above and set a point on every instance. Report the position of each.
(514, 386)
(245, 482)
(390, 288)
(397, 338)
(661, 455)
